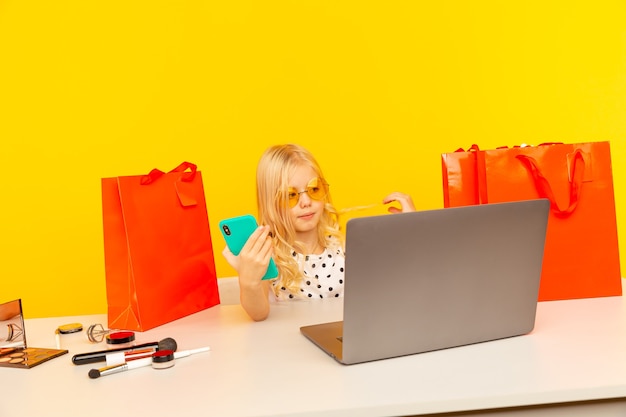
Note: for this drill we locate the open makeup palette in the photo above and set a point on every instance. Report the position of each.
(14, 352)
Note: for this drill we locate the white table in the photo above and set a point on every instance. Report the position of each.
(575, 357)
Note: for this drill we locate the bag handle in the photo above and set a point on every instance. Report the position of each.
(545, 190)
(187, 176)
(185, 196)
(473, 148)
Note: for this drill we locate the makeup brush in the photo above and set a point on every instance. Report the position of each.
(100, 356)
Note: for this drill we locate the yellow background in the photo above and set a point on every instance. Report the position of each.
(376, 89)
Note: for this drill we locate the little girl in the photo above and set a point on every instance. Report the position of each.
(299, 228)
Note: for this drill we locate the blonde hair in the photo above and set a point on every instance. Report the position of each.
(275, 167)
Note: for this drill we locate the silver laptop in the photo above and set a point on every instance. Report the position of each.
(436, 279)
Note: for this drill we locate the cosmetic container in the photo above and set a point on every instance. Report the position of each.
(163, 359)
(120, 340)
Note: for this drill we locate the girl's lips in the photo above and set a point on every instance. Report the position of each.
(307, 216)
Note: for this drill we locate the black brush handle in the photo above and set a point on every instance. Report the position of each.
(101, 355)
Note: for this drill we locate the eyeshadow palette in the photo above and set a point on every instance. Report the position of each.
(27, 357)
(14, 352)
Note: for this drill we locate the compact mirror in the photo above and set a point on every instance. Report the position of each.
(11, 325)
(14, 351)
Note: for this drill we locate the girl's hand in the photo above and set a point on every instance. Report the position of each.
(254, 257)
(231, 258)
(406, 203)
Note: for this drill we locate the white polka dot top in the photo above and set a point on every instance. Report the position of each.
(323, 276)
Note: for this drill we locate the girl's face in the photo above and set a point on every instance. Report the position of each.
(306, 214)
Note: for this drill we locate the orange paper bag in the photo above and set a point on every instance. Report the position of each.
(581, 258)
(159, 262)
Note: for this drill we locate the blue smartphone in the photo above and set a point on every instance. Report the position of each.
(236, 232)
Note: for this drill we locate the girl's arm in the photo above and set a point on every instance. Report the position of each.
(251, 265)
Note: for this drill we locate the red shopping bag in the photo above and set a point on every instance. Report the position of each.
(159, 262)
(581, 258)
